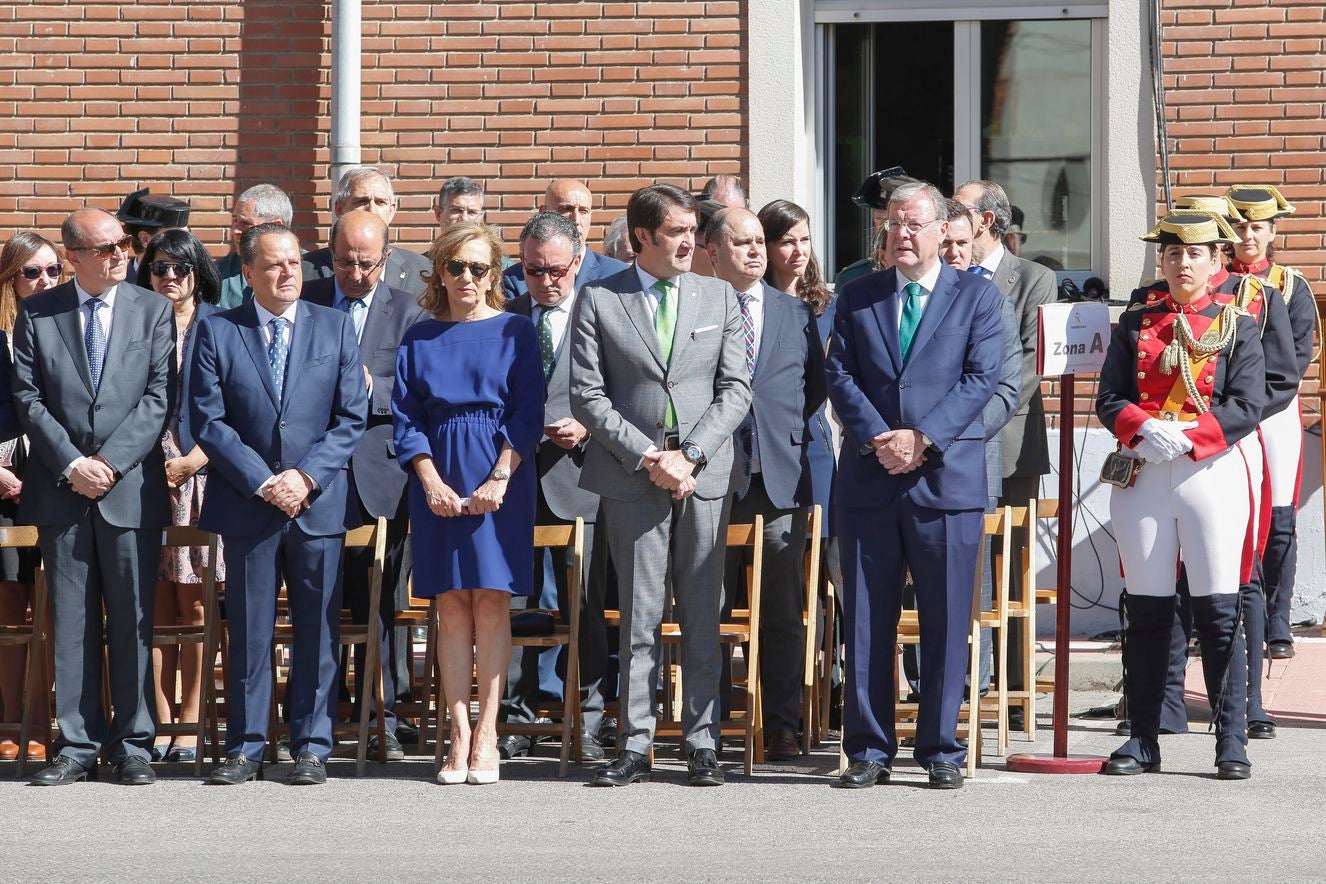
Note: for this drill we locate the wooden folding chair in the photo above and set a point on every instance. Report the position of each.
(995, 705)
(420, 612)
(1023, 604)
(742, 628)
(373, 535)
(1044, 684)
(32, 636)
(180, 536)
(572, 538)
(814, 680)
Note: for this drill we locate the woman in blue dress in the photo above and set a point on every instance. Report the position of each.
(468, 408)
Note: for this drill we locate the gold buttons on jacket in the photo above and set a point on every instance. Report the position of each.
(1145, 396)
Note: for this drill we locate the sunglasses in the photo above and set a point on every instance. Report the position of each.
(456, 268)
(106, 249)
(539, 272)
(164, 269)
(50, 271)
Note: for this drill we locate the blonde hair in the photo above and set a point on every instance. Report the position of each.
(447, 245)
(18, 251)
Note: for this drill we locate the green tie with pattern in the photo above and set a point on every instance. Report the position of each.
(665, 326)
(546, 350)
(911, 318)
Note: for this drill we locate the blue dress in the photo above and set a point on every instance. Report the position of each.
(462, 390)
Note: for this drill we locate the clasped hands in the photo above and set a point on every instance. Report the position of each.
(1162, 441)
(671, 471)
(92, 477)
(899, 451)
(288, 491)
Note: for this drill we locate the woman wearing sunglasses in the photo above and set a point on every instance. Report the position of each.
(175, 264)
(29, 263)
(468, 409)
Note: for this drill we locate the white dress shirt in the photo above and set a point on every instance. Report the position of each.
(992, 260)
(928, 281)
(756, 307)
(655, 297)
(559, 319)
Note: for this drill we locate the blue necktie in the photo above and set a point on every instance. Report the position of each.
(94, 339)
(356, 308)
(982, 272)
(277, 353)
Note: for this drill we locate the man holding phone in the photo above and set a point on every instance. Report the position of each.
(551, 252)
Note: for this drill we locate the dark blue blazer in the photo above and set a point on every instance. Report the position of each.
(595, 266)
(249, 437)
(942, 390)
(8, 417)
(187, 440)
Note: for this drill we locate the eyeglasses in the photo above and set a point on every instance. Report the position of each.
(364, 267)
(106, 249)
(50, 271)
(178, 270)
(912, 227)
(456, 268)
(539, 272)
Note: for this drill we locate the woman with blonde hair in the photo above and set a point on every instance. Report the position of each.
(468, 409)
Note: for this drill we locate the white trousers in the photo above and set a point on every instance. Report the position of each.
(1283, 436)
(1254, 457)
(1199, 508)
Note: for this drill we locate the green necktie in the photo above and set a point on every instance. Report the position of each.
(665, 326)
(546, 351)
(911, 318)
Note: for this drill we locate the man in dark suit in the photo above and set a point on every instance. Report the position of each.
(786, 362)
(94, 371)
(381, 316)
(573, 201)
(1026, 451)
(550, 254)
(659, 378)
(368, 189)
(913, 360)
(278, 400)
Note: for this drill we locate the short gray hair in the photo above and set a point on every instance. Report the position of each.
(993, 199)
(547, 226)
(459, 185)
(358, 173)
(248, 243)
(269, 201)
(615, 236)
(906, 192)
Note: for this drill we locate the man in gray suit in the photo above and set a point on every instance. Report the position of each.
(94, 370)
(368, 189)
(786, 364)
(551, 252)
(1028, 285)
(659, 378)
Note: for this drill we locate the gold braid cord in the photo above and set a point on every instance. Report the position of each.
(1289, 278)
(1208, 345)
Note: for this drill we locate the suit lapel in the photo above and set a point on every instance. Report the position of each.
(378, 319)
(773, 322)
(688, 311)
(633, 302)
(67, 322)
(301, 345)
(886, 314)
(122, 314)
(1007, 274)
(941, 299)
(257, 348)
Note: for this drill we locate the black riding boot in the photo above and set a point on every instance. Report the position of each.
(1260, 725)
(1146, 665)
(1174, 711)
(1225, 669)
(1280, 564)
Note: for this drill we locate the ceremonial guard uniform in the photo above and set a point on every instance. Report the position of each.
(1181, 384)
(1282, 433)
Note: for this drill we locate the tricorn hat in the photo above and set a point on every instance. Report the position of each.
(1189, 228)
(875, 190)
(141, 209)
(1215, 205)
(1259, 202)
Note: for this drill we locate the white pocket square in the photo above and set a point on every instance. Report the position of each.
(700, 331)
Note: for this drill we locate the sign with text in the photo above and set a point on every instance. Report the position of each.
(1073, 338)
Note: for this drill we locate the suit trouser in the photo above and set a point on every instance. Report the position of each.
(782, 600)
(392, 644)
(655, 542)
(92, 564)
(940, 547)
(255, 567)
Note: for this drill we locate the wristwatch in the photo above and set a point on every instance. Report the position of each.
(692, 452)
(500, 474)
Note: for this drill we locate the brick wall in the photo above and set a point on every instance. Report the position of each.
(199, 100)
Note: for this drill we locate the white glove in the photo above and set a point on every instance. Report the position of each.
(1167, 439)
(1153, 453)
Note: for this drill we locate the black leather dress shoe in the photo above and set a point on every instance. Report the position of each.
(608, 733)
(945, 775)
(1280, 650)
(513, 746)
(1233, 770)
(394, 750)
(703, 770)
(1128, 766)
(862, 775)
(591, 750)
(61, 772)
(133, 771)
(630, 767)
(309, 771)
(237, 769)
(782, 745)
(1261, 730)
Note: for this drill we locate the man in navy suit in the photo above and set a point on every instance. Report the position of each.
(278, 402)
(572, 200)
(381, 316)
(913, 360)
(786, 362)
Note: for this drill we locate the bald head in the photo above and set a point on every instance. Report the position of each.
(735, 243)
(359, 252)
(85, 230)
(572, 200)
